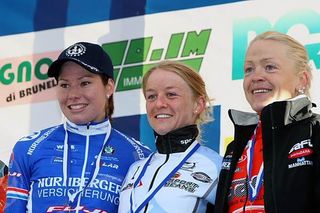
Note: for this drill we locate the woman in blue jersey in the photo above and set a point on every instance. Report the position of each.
(77, 166)
(182, 175)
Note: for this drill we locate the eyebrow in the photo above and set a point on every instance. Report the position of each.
(166, 88)
(80, 78)
(263, 60)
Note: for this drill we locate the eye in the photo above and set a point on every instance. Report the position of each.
(171, 94)
(248, 70)
(270, 68)
(85, 83)
(151, 97)
(64, 85)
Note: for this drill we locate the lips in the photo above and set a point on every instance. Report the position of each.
(77, 106)
(259, 91)
(163, 116)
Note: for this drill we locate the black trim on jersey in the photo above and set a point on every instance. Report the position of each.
(177, 140)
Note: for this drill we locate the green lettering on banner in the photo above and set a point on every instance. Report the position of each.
(196, 43)
(174, 45)
(6, 78)
(156, 55)
(131, 77)
(116, 50)
(37, 68)
(138, 50)
(130, 58)
(24, 69)
(242, 28)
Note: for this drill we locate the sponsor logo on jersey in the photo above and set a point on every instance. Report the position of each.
(226, 162)
(108, 158)
(299, 153)
(102, 189)
(300, 162)
(186, 141)
(75, 182)
(14, 174)
(126, 187)
(301, 145)
(110, 165)
(71, 209)
(176, 175)
(31, 137)
(108, 150)
(39, 140)
(201, 176)
(60, 147)
(188, 166)
(56, 160)
(188, 186)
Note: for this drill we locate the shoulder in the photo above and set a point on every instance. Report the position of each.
(207, 157)
(31, 142)
(131, 143)
(209, 153)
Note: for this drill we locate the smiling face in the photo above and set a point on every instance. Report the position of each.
(170, 102)
(270, 74)
(81, 94)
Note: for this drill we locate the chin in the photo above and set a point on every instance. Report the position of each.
(259, 107)
(161, 131)
(78, 121)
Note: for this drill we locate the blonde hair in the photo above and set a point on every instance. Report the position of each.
(194, 81)
(296, 51)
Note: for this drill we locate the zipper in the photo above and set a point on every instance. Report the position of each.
(153, 179)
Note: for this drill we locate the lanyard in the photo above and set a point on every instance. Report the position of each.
(253, 189)
(152, 193)
(93, 174)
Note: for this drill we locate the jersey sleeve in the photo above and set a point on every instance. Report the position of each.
(215, 161)
(18, 181)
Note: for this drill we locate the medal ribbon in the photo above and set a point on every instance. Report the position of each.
(192, 149)
(253, 190)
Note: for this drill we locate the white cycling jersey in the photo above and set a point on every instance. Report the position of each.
(170, 180)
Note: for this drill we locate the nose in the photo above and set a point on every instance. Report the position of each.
(161, 101)
(73, 92)
(258, 75)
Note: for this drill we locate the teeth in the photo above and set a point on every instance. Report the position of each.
(163, 116)
(261, 91)
(78, 106)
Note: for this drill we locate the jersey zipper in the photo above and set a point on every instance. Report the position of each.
(154, 177)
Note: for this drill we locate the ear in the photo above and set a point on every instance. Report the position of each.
(199, 105)
(110, 87)
(304, 81)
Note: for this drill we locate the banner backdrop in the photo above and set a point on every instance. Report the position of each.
(211, 36)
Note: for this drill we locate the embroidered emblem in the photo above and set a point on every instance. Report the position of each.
(76, 50)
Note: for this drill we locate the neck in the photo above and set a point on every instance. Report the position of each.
(177, 140)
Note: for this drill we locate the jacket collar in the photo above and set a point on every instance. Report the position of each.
(177, 140)
(92, 128)
(293, 110)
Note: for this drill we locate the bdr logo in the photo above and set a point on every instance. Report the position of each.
(241, 29)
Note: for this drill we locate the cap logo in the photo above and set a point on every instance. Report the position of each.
(76, 50)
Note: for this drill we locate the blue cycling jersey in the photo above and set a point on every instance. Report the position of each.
(70, 168)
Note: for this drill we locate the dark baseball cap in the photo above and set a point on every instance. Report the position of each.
(88, 55)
